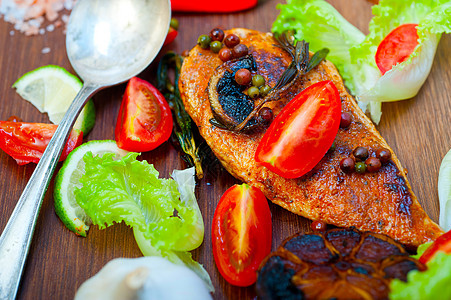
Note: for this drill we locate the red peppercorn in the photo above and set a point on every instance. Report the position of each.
(346, 120)
(243, 76)
(265, 116)
(225, 54)
(14, 119)
(185, 53)
(231, 40)
(373, 164)
(217, 34)
(361, 153)
(383, 154)
(240, 50)
(318, 226)
(347, 165)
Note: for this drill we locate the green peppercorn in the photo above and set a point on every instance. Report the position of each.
(258, 80)
(215, 46)
(264, 90)
(253, 92)
(204, 41)
(174, 23)
(360, 167)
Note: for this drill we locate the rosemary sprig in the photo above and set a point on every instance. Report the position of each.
(182, 120)
(301, 63)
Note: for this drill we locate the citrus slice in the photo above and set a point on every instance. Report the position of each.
(51, 90)
(444, 192)
(68, 178)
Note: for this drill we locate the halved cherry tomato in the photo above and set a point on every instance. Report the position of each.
(26, 142)
(145, 119)
(396, 47)
(302, 132)
(441, 244)
(172, 34)
(241, 234)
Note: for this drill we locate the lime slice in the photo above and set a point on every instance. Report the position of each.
(51, 90)
(68, 178)
(444, 192)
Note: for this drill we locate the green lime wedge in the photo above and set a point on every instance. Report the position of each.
(51, 90)
(68, 178)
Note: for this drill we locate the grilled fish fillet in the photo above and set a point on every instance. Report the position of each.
(381, 202)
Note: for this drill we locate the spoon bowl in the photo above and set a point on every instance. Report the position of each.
(107, 52)
(108, 42)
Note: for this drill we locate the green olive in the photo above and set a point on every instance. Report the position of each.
(215, 46)
(204, 41)
(253, 92)
(360, 167)
(174, 23)
(264, 90)
(258, 80)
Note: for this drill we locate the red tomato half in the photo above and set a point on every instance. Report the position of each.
(145, 119)
(241, 234)
(26, 142)
(302, 132)
(172, 34)
(396, 47)
(441, 244)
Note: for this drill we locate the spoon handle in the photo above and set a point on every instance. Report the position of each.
(16, 238)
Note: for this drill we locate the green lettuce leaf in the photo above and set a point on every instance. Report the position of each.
(164, 214)
(404, 80)
(319, 23)
(432, 284)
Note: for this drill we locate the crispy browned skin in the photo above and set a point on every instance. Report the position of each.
(381, 202)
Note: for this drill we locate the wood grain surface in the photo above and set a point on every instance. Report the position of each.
(418, 130)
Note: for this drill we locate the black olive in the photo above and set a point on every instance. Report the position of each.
(361, 153)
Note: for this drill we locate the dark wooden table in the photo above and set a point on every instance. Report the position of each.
(418, 130)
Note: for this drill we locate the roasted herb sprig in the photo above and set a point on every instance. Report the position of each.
(182, 120)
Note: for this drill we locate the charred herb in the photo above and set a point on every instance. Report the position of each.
(182, 121)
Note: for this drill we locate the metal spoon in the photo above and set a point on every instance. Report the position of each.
(107, 42)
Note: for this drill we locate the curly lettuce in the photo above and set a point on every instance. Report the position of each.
(428, 285)
(319, 23)
(164, 213)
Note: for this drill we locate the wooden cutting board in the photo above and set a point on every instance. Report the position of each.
(418, 130)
